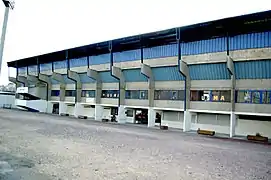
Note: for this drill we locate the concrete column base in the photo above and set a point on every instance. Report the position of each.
(49, 109)
(187, 121)
(62, 108)
(151, 117)
(78, 110)
(121, 118)
(98, 114)
(232, 124)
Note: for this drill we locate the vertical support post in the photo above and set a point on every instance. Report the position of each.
(230, 68)
(3, 36)
(88, 61)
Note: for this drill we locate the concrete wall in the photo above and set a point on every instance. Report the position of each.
(136, 102)
(109, 101)
(7, 99)
(169, 104)
(253, 108)
(254, 84)
(210, 84)
(210, 106)
(249, 127)
(172, 119)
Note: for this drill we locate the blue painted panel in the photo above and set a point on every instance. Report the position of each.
(78, 62)
(247, 41)
(33, 68)
(167, 74)
(127, 56)
(160, 51)
(134, 75)
(60, 64)
(100, 59)
(209, 71)
(107, 78)
(204, 46)
(85, 79)
(253, 69)
(46, 67)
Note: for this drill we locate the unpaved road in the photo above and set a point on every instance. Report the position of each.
(37, 146)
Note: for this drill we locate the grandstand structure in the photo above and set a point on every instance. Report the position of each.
(214, 75)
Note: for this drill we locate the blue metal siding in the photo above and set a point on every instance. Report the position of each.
(78, 62)
(85, 79)
(127, 56)
(160, 51)
(253, 69)
(204, 46)
(46, 67)
(209, 71)
(170, 73)
(60, 64)
(247, 41)
(134, 75)
(107, 78)
(100, 59)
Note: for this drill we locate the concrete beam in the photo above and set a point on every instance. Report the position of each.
(117, 72)
(14, 80)
(147, 71)
(34, 79)
(75, 76)
(58, 77)
(230, 68)
(47, 80)
(98, 91)
(23, 80)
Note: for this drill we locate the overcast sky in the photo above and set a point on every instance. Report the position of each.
(42, 26)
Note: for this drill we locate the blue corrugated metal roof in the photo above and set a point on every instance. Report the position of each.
(253, 69)
(209, 71)
(170, 73)
(107, 78)
(134, 75)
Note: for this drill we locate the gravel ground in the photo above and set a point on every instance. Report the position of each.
(38, 146)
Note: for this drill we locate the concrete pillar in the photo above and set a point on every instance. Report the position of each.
(121, 118)
(78, 110)
(147, 71)
(117, 73)
(184, 70)
(14, 80)
(232, 124)
(58, 77)
(75, 76)
(49, 108)
(46, 79)
(62, 108)
(187, 121)
(230, 68)
(34, 79)
(98, 91)
(151, 117)
(98, 112)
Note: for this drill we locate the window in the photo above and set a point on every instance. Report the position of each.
(169, 95)
(88, 93)
(199, 95)
(136, 94)
(256, 97)
(110, 93)
(266, 97)
(221, 96)
(130, 113)
(70, 93)
(243, 96)
(55, 93)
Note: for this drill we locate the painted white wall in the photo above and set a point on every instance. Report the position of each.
(7, 99)
(40, 105)
(251, 127)
(70, 109)
(172, 119)
(106, 113)
(88, 111)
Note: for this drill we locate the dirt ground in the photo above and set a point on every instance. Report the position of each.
(38, 146)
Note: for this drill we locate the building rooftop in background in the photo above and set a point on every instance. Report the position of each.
(244, 24)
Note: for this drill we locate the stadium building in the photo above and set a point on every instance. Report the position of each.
(214, 75)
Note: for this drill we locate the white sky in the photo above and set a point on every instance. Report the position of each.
(42, 26)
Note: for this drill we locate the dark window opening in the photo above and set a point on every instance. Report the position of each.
(110, 93)
(178, 95)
